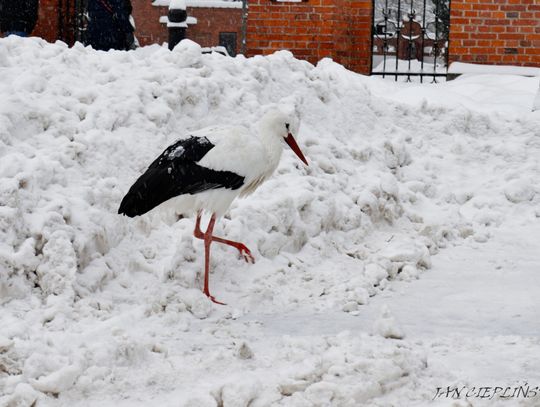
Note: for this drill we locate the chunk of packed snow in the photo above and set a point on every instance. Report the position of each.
(387, 326)
(57, 381)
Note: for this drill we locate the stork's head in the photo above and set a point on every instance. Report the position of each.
(276, 123)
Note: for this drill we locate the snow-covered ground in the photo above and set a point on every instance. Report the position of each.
(402, 262)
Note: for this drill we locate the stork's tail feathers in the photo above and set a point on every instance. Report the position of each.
(132, 205)
(155, 186)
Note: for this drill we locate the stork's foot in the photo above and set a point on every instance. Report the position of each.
(245, 253)
(213, 299)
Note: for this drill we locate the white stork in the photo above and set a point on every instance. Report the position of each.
(211, 167)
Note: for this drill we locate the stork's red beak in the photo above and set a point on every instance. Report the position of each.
(294, 147)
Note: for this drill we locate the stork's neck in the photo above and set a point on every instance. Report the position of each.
(274, 148)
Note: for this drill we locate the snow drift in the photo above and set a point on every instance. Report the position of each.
(90, 298)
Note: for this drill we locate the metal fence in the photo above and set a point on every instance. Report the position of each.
(410, 38)
(71, 21)
(80, 20)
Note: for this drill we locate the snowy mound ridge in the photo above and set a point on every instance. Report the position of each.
(384, 191)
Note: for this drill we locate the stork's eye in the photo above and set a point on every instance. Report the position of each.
(287, 126)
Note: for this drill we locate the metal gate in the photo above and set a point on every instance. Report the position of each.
(410, 38)
(80, 20)
(71, 20)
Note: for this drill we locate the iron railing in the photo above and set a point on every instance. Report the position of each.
(410, 38)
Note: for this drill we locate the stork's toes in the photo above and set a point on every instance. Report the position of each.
(213, 299)
(216, 301)
(246, 253)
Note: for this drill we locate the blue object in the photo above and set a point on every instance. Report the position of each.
(17, 33)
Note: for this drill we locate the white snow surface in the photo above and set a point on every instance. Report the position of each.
(177, 4)
(462, 68)
(403, 259)
(536, 104)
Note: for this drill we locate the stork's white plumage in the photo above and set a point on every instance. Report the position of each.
(209, 169)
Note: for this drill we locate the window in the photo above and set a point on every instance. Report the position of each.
(228, 40)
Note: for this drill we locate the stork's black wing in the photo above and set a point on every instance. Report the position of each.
(176, 172)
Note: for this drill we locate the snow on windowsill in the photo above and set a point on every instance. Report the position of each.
(189, 20)
(203, 3)
(177, 4)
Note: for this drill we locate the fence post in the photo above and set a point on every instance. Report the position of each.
(177, 23)
(244, 26)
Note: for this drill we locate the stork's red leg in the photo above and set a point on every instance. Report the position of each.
(198, 232)
(207, 242)
(242, 248)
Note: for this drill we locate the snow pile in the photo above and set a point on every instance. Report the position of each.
(91, 298)
(74, 145)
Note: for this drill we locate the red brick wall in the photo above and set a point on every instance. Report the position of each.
(47, 24)
(503, 32)
(148, 29)
(210, 22)
(352, 35)
(312, 30)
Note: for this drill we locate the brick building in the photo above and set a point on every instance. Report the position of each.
(210, 23)
(480, 31)
(313, 29)
(495, 32)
